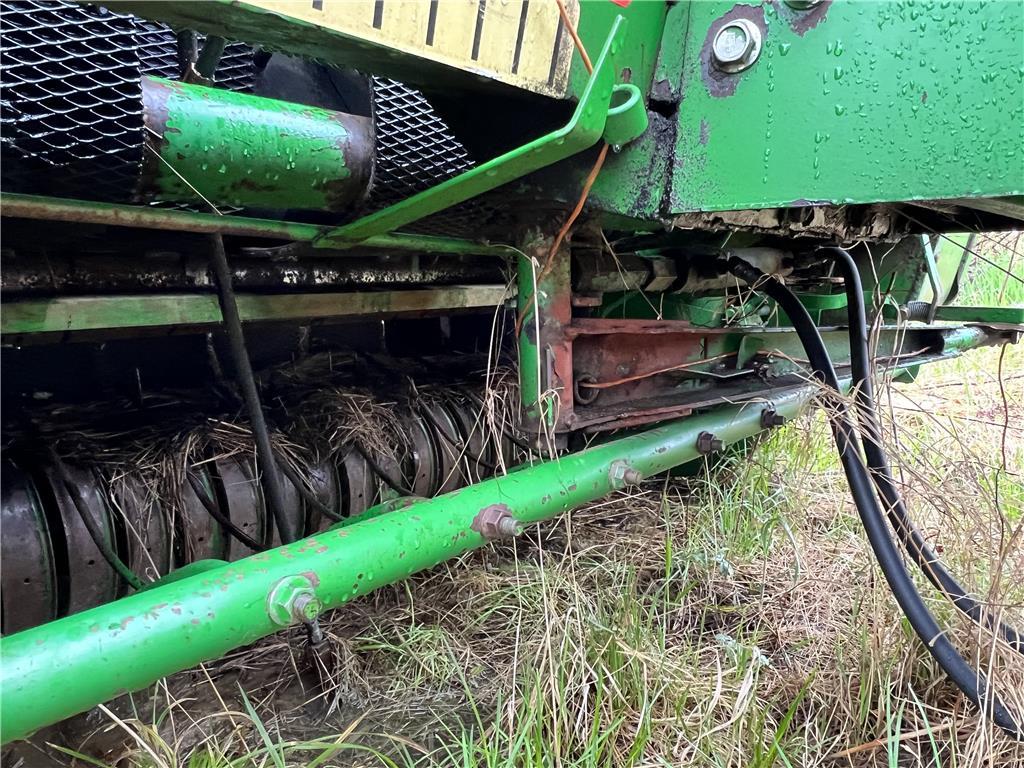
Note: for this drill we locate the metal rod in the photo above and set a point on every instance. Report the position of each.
(130, 643)
(270, 481)
(42, 208)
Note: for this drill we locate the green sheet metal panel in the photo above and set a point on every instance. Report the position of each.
(854, 102)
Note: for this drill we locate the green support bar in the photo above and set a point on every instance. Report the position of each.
(40, 208)
(583, 131)
(77, 314)
(51, 672)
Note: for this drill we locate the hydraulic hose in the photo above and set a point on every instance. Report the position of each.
(972, 682)
(269, 480)
(908, 534)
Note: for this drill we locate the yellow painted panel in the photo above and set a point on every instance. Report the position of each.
(403, 26)
(499, 33)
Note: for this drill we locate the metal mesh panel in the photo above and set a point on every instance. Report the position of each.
(416, 150)
(71, 99)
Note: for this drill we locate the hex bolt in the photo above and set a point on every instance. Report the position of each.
(708, 443)
(802, 5)
(496, 522)
(771, 418)
(620, 474)
(306, 608)
(736, 45)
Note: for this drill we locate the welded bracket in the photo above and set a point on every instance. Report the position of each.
(595, 113)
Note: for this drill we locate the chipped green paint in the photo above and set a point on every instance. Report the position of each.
(236, 149)
(854, 102)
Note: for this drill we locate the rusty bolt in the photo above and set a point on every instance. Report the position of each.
(736, 45)
(708, 443)
(620, 474)
(771, 418)
(495, 522)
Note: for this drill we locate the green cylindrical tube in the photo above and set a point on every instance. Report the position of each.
(227, 148)
(58, 669)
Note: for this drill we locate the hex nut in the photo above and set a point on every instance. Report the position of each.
(293, 599)
(771, 418)
(708, 443)
(736, 45)
(620, 474)
(495, 521)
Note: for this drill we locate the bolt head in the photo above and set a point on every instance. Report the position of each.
(736, 45)
(708, 443)
(802, 5)
(496, 522)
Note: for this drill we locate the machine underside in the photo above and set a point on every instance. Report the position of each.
(272, 282)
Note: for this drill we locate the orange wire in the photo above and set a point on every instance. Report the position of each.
(587, 184)
(575, 37)
(570, 220)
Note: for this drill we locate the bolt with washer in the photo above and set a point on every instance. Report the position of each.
(620, 474)
(771, 418)
(736, 45)
(708, 443)
(496, 522)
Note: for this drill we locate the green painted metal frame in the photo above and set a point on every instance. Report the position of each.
(852, 102)
(40, 208)
(56, 670)
(79, 314)
(584, 129)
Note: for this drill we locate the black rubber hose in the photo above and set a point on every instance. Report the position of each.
(878, 462)
(213, 509)
(269, 480)
(95, 534)
(972, 682)
(396, 485)
(305, 492)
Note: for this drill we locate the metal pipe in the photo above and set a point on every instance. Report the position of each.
(226, 148)
(40, 208)
(58, 669)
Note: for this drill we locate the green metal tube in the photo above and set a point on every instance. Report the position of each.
(227, 148)
(56, 670)
(41, 208)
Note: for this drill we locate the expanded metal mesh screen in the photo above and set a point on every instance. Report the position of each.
(70, 96)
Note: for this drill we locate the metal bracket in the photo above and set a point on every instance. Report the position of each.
(933, 277)
(583, 131)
